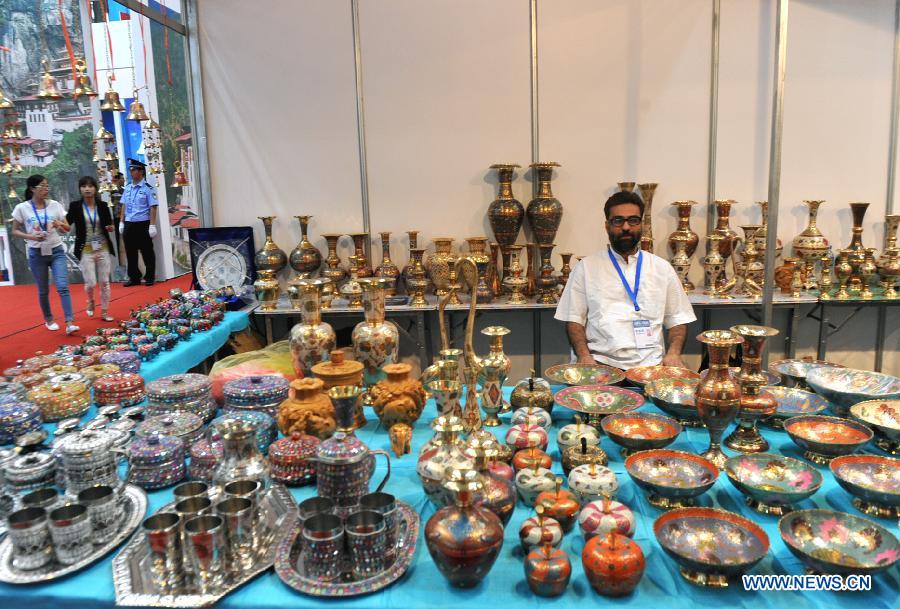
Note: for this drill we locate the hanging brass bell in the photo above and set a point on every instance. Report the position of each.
(111, 101)
(105, 187)
(82, 81)
(180, 177)
(5, 102)
(137, 112)
(96, 158)
(103, 134)
(153, 125)
(12, 194)
(48, 88)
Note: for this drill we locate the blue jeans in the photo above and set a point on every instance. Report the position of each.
(40, 267)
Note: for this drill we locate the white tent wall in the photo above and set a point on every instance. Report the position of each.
(623, 93)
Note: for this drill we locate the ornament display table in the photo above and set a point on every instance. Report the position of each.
(880, 305)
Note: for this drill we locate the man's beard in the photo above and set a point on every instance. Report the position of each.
(625, 243)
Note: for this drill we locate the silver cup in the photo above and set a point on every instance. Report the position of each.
(104, 511)
(366, 543)
(314, 505)
(46, 498)
(204, 539)
(323, 547)
(190, 508)
(190, 489)
(248, 489)
(30, 538)
(164, 541)
(386, 505)
(70, 530)
(237, 512)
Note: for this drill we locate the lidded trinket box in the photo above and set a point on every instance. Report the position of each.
(592, 482)
(156, 461)
(185, 425)
(291, 459)
(181, 392)
(16, 418)
(261, 393)
(61, 400)
(124, 388)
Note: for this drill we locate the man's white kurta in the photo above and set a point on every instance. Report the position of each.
(595, 298)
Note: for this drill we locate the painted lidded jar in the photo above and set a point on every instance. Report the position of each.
(605, 515)
(547, 571)
(613, 564)
(291, 459)
(532, 415)
(538, 530)
(592, 482)
(309, 411)
(532, 482)
(531, 457)
(560, 504)
(526, 436)
(156, 461)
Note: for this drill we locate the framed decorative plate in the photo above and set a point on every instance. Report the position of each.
(222, 257)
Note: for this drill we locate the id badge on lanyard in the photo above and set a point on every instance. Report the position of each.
(643, 334)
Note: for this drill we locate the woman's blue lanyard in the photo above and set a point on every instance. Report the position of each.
(44, 223)
(632, 294)
(94, 219)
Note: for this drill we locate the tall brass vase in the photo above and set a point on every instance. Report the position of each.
(718, 396)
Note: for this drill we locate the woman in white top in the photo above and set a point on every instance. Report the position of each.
(39, 221)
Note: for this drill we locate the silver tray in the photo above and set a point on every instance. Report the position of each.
(134, 583)
(289, 562)
(134, 503)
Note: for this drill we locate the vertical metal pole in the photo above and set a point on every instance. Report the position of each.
(880, 323)
(360, 120)
(198, 118)
(775, 162)
(535, 131)
(713, 117)
(895, 111)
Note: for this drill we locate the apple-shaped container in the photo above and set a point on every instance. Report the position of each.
(547, 571)
(526, 436)
(592, 482)
(604, 516)
(530, 457)
(571, 435)
(532, 482)
(532, 415)
(561, 505)
(539, 530)
(614, 564)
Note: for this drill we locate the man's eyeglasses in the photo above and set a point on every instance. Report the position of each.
(618, 221)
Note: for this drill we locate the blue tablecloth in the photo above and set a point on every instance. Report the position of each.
(423, 586)
(198, 347)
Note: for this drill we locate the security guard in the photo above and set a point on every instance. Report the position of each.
(137, 223)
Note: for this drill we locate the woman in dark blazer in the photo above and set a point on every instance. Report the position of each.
(93, 247)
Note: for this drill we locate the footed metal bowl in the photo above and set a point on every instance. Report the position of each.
(824, 438)
(584, 374)
(874, 482)
(791, 403)
(883, 416)
(642, 375)
(673, 478)
(675, 397)
(844, 387)
(773, 378)
(772, 483)
(833, 542)
(794, 371)
(597, 401)
(636, 431)
(710, 545)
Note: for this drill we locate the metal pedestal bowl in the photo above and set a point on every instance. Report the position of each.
(637, 431)
(675, 397)
(844, 387)
(772, 378)
(791, 403)
(874, 482)
(772, 483)
(597, 401)
(836, 543)
(824, 438)
(642, 375)
(794, 371)
(672, 478)
(583, 374)
(710, 546)
(883, 417)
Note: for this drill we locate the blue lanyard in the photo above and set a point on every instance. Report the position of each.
(632, 294)
(94, 219)
(44, 223)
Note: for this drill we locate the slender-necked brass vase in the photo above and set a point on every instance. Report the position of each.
(718, 396)
(305, 258)
(270, 257)
(755, 405)
(387, 269)
(647, 192)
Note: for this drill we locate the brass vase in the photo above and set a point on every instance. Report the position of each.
(751, 268)
(889, 261)
(843, 270)
(868, 271)
(681, 262)
(496, 286)
(505, 213)
(730, 237)
(305, 258)
(647, 192)
(529, 270)
(762, 235)
(546, 281)
(332, 269)
(754, 405)
(859, 214)
(565, 270)
(626, 186)
(718, 396)
(439, 263)
(416, 280)
(810, 245)
(513, 280)
(312, 340)
(387, 269)
(494, 370)
(684, 232)
(477, 254)
(544, 211)
(363, 268)
(375, 341)
(413, 236)
(270, 257)
(498, 494)
(267, 289)
(713, 266)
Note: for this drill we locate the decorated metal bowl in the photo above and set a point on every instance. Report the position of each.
(794, 371)
(883, 417)
(833, 542)
(635, 431)
(791, 403)
(642, 375)
(873, 480)
(844, 387)
(675, 397)
(772, 483)
(824, 438)
(597, 401)
(672, 477)
(710, 545)
(583, 374)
